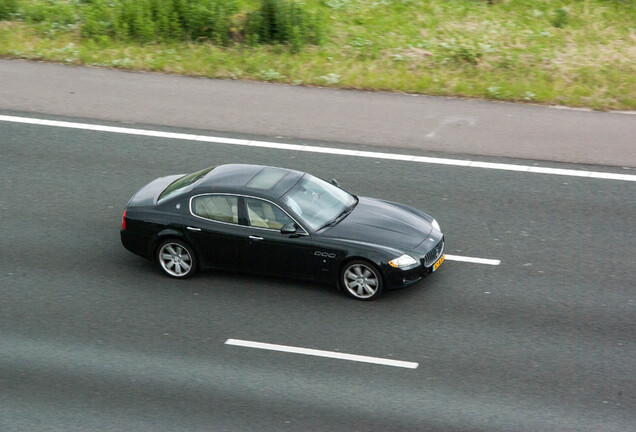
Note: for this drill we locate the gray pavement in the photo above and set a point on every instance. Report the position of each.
(427, 124)
(93, 338)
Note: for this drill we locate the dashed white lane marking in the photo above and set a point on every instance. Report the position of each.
(320, 353)
(326, 150)
(493, 262)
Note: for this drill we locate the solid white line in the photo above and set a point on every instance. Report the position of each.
(474, 260)
(320, 353)
(327, 150)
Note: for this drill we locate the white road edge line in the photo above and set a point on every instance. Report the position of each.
(320, 353)
(327, 150)
(493, 262)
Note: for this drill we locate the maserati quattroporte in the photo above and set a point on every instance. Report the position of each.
(279, 221)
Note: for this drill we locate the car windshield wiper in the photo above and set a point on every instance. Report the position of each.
(343, 214)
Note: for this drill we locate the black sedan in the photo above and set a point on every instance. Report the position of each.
(284, 222)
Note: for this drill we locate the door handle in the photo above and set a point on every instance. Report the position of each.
(257, 238)
(194, 228)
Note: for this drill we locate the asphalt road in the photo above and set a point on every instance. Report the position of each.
(94, 338)
(372, 119)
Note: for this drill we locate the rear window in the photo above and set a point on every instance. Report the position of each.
(185, 181)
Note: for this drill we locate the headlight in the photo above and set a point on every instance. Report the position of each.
(436, 225)
(403, 261)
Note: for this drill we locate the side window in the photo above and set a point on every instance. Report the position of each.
(264, 214)
(222, 208)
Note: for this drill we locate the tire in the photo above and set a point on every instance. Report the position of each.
(361, 280)
(176, 258)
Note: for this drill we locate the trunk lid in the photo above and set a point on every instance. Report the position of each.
(147, 195)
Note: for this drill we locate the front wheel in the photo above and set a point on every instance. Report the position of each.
(176, 259)
(361, 280)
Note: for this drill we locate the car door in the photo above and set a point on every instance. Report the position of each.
(270, 251)
(215, 232)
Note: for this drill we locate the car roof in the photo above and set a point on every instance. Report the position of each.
(257, 180)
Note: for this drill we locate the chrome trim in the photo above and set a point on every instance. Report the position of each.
(194, 228)
(305, 232)
(253, 237)
(433, 255)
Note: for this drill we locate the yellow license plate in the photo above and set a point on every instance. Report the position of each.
(439, 262)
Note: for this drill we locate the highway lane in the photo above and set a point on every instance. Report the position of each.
(94, 338)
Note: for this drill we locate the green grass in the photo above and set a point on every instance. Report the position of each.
(569, 52)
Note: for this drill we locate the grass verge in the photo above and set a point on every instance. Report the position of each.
(569, 52)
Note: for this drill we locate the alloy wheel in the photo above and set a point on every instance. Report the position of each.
(175, 259)
(361, 281)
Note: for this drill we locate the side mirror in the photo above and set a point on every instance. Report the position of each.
(290, 228)
(335, 182)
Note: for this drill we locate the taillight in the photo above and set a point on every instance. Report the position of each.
(123, 221)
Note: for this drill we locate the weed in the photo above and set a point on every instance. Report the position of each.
(55, 14)
(336, 4)
(8, 9)
(270, 75)
(330, 79)
(284, 22)
(463, 52)
(494, 92)
(560, 19)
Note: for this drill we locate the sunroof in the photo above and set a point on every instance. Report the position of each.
(267, 178)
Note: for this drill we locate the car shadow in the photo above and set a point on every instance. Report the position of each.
(273, 285)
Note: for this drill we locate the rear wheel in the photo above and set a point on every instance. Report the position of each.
(361, 280)
(176, 259)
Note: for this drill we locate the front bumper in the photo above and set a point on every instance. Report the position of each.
(397, 278)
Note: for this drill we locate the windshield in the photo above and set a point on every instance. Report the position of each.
(183, 182)
(318, 203)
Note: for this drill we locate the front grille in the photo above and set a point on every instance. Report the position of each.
(434, 254)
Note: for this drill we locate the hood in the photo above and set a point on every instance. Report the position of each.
(374, 221)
